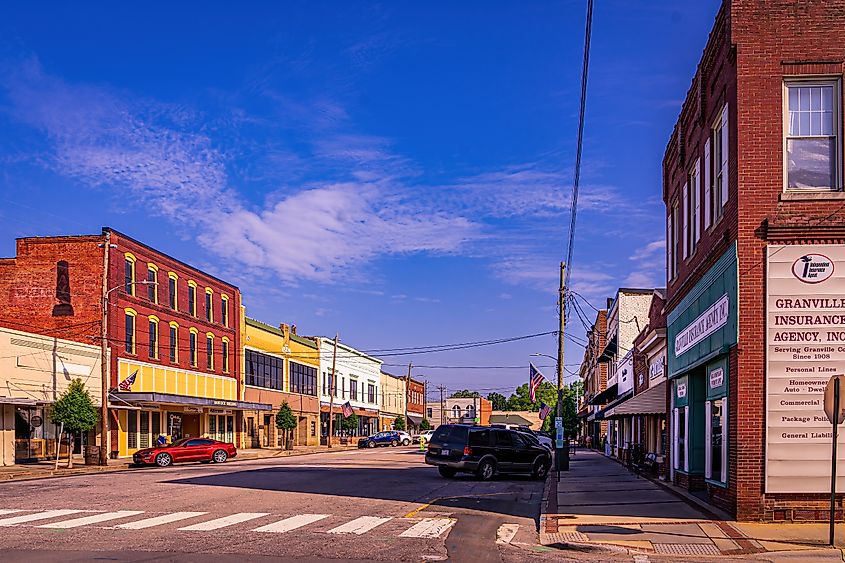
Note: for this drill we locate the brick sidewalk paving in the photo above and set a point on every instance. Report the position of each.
(601, 504)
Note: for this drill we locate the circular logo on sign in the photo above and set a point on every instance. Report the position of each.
(813, 268)
(36, 421)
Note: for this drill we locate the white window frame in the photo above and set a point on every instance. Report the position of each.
(809, 81)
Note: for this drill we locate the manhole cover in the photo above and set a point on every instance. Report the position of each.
(686, 549)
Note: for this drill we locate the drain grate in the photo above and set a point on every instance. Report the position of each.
(569, 537)
(686, 549)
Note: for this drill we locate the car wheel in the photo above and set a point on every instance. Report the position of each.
(486, 470)
(394, 443)
(540, 470)
(406, 442)
(219, 456)
(163, 460)
(371, 444)
(447, 472)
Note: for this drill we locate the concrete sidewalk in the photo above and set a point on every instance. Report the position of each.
(599, 504)
(44, 469)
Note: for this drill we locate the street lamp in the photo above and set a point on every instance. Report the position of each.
(105, 440)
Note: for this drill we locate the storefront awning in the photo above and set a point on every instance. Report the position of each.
(609, 349)
(603, 414)
(17, 401)
(650, 401)
(605, 396)
(168, 399)
(415, 419)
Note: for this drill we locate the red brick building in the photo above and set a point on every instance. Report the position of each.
(753, 182)
(416, 405)
(173, 331)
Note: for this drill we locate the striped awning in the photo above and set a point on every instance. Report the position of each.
(650, 401)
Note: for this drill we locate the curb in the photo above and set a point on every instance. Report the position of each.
(127, 466)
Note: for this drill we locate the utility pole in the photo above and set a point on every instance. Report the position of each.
(441, 388)
(105, 364)
(561, 450)
(407, 393)
(331, 393)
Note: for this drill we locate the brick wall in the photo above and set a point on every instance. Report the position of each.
(28, 287)
(752, 48)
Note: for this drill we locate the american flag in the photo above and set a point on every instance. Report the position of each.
(544, 410)
(534, 381)
(126, 384)
(347, 409)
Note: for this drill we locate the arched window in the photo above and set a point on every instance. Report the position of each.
(456, 411)
(470, 411)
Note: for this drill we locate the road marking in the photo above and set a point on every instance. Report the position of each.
(417, 510)
(218, 523)
(428, 528)
(10, 510)
(95, 519)
(506, 533)
(39, 516)
(159, 520)
(360, 525)
(291, 523)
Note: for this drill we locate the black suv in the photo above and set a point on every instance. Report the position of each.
(485, 452)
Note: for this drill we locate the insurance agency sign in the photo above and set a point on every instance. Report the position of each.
(805, 315)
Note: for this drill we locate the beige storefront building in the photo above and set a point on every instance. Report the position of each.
(34, 371)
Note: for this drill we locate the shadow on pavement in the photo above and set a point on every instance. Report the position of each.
(506, 495)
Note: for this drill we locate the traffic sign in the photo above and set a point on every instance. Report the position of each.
(558, 422)
(829, 407)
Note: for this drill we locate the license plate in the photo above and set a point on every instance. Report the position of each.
(444, 452)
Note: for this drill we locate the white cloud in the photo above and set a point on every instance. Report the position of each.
(315, 232)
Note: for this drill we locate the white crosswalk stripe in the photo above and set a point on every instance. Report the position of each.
(360, 525)
(10, 510)
(291, 523)
(428, 528)
(218, 523)
(94, 519)
(38, 516)
(159, 520)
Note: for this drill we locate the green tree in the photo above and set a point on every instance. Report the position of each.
(499, 401)
(465, 394)
(521, 401)
(425, 425)
(399, 423)
(349, 423)
(75, 409)
(286, 422)
(570, 411)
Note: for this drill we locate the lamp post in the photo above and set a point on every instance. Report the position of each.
(105, 440)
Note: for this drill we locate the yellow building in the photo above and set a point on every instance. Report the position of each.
(279, 367)
(392, 400)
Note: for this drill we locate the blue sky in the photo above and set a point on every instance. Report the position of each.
(397, 172)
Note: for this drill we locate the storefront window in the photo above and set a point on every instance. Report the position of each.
(682, 437)
(716, 438)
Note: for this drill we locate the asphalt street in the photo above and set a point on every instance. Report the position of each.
(366, 505)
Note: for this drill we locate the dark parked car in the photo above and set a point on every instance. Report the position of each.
(386, 438)
(187, 449)
(486, 451)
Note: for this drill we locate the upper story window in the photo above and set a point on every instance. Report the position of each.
(153, 337)
(209, 313)
(209, 351)
(129, 316)
(152, 283)
(371, 393)
(812, 140)
(456, 411)
(224, 354)
(192, 343)
(692, 213)
(174, 342)
(303, 379)
(353, 389)
(129, 274)
(224, 310)
(716, 170)
(263, 370)
(673, 232)
(192, 298)
(172, 295)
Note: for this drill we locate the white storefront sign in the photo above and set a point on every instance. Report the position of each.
(805, 328)
(717, 377)
(655, 368)
(682, 390)
(708, 322)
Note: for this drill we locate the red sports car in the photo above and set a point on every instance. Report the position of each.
(187, 449)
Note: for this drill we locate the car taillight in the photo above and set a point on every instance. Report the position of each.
(467, 450)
